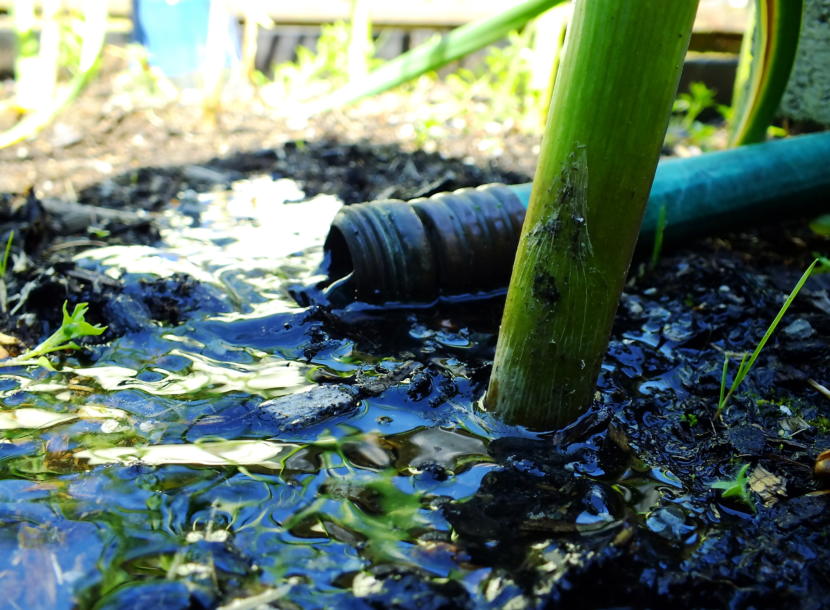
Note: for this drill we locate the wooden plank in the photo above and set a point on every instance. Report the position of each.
(713, 15)
(439, 13)
(716, 42)
(722, 16)
(117, 8)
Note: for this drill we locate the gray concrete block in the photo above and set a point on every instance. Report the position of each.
(807, 97)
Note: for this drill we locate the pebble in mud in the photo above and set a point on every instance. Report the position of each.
(304, 409)
(747, 439)
(670, 523)
(798, 329)
(404, 587)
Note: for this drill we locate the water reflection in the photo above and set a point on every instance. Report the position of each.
(165, 474)
(102, 500)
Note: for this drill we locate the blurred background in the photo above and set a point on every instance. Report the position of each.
(91, 88)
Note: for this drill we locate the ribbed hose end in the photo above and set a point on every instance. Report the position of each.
(474, 234)
(384, 247)
(449, 244)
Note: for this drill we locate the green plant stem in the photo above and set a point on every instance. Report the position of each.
(72, 327)
(50, 39)
(93, 43)
(435, 54)
(608, 115)
(549, 33)
(27, 47)
(360, 40)
(767, 57)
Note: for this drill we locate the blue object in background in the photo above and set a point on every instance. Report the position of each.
(179, 38)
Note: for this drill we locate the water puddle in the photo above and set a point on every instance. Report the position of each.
(242, 453)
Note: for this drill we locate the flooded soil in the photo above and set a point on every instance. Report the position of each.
(221, 445)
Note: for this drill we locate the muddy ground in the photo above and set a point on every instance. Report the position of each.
(618, 510)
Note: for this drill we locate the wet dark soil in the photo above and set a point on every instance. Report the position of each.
(121, 210)
(618, 510)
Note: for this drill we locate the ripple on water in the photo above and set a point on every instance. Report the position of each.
(177, 467)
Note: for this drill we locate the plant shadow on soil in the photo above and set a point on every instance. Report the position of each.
(396, 491)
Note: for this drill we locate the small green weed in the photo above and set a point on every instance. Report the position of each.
(823, 264)
(316, 72)
(689, 418)
(747, 363)
(698, 99)
(685, 126)
(821, 225)
(822, 424)
(375, 512)
(737, 488)
(72, 327)
(503, 84)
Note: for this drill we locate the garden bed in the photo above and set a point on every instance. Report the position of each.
(220, 442)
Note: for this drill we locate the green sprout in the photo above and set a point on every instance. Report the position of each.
(658, 237)
(823, 264)
(689, 418)
(376, 513)
(821, 225)
(747, 362)
(698, 99)
(686, 126)
(737, 488)
(4, 265)
(72, 327)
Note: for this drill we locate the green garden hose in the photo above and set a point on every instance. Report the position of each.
(463, 243)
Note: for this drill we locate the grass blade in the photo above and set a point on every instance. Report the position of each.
(5, 264)
(746, 365)
(723, 382)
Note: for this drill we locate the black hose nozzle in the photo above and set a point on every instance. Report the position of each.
(448, 244)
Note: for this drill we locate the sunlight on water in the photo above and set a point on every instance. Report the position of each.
(232, 448)
(160, 472)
